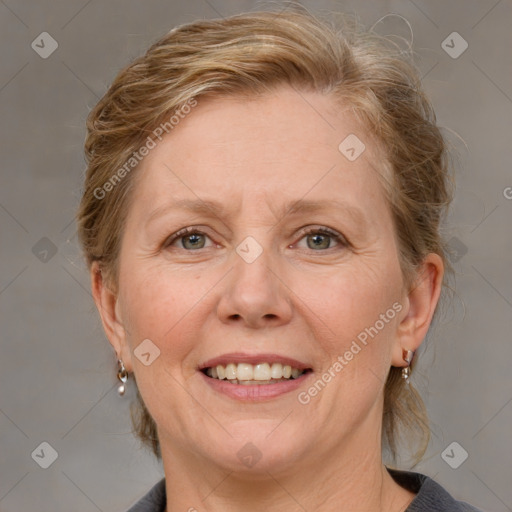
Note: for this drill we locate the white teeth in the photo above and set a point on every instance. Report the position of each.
(276, 372)
(262, 371)
(244, 371)
(248, 374)
(221, 373)
(231, 371)
(255, 382)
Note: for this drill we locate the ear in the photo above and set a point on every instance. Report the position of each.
(110, 312)
(419, 307)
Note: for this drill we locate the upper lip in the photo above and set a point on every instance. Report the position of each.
(238, 357)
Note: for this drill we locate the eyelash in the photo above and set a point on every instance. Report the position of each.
(342, 241)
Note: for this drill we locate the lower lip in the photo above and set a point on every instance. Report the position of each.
(255, 392)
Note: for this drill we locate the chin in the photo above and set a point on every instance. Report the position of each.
(258, 450)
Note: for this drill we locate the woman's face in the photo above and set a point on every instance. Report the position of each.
(259, 280)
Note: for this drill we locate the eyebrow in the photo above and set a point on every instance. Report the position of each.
(212, 208)
(293, 208)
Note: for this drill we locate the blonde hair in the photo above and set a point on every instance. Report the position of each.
(252, 54)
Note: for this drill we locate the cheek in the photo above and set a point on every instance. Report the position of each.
(349, 302)
(153, 306)
(161, 304)
(354, 319)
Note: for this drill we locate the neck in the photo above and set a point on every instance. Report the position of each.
(351, 477)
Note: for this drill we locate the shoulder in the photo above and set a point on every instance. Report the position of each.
(430, 496)
(153, 501)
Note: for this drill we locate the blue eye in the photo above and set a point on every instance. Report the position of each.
(318, 239)
(191, 239)
(321, 238)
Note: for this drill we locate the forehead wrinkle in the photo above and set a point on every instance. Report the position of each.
(200, 206)
(218, 210)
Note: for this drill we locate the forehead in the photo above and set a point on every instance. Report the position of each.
(285, 144)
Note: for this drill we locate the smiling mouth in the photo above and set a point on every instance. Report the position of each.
(254, 375)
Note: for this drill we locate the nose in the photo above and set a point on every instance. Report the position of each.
(255, 294)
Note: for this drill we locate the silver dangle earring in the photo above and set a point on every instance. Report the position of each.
(407, 356)
(122, 375)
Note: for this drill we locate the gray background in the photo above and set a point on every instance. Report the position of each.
(57, 371)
